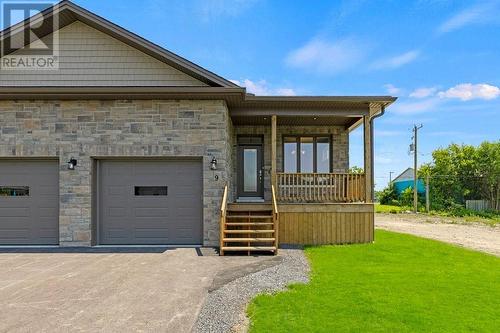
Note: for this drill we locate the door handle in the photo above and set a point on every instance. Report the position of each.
(260, 174)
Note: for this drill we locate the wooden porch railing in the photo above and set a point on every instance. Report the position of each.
(223, 213)
(320, 187)
(275, 219)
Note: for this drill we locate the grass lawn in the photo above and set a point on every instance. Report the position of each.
(401, 283)
(441, 216)
(390, 209)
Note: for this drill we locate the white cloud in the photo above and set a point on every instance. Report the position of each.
(481, 13)
(209, 10)
(411, 108)
(326, 57)
(396, 61)
(468, 91)
(423, 92)
(392, 89)
(261, 88)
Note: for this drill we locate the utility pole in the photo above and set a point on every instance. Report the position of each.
(390, 177)
(427, 197)
(415, 180)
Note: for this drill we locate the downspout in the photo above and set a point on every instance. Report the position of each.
(372, 150)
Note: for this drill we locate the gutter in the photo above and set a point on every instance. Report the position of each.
(372, 149)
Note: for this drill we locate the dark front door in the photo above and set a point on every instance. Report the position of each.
(250, 171)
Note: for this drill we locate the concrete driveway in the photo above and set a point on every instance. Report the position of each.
(145, 290)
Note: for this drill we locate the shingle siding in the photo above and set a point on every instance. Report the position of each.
(89, 57)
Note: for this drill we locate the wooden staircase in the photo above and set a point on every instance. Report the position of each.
(248, 228)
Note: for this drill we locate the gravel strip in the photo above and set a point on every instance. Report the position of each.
(224, 308)
(474, 236)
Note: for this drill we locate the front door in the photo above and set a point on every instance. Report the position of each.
(250, 171)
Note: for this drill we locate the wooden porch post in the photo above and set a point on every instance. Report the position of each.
(368, 149)
(273, 150)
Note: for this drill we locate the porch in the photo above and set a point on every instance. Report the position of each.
(294, 162)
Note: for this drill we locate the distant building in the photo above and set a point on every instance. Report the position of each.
(405, 180)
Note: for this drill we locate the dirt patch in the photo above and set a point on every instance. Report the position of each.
(474, 236)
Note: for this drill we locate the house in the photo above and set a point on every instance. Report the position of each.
(126, 143)
(405, 180)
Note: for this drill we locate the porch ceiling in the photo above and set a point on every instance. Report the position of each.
(295, 120)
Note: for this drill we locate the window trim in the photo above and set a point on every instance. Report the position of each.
(315, 150)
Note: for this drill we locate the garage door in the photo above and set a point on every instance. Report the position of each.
(29, 202)
(150, 202)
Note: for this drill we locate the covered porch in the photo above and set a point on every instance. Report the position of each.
(294, 152)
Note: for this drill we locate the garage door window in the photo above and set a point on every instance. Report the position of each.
(14, 191)
(151, 190)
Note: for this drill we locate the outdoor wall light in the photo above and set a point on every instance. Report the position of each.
(72, 163)
(213, 163)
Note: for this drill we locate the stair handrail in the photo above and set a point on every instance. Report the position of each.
(275, 218)
(223, 210)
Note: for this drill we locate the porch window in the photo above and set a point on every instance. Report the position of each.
(306, 154)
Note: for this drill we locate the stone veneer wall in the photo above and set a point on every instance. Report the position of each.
(340, 147)
(84, 129)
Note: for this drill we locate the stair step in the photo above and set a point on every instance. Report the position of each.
(249, 216)
(249, 248)
(245, 207)
(249, 239)
(248, 223)
(248, 231)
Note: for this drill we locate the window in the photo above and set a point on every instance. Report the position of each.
(306, 154)
(322, 155)
(14, 191)
(151, 190)
(290, 153)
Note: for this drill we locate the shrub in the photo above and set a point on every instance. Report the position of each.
(388, 196)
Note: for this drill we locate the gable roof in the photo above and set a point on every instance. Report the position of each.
(405, 175)
(68, 12)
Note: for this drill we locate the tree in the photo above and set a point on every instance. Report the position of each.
(488, 169)
(356, 170)
(389, 196)
(461, 172)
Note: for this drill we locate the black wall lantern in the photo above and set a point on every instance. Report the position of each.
(72, 163)
(213, 163)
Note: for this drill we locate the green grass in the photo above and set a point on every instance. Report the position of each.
(390, 209)
(488, 218)
(401, 283)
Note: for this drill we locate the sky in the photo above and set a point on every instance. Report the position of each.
(440, 58)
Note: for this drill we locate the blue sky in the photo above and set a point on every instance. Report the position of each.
(441, 58)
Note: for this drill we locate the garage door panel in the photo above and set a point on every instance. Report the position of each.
(16, 234)
(31, 219)
(116, 190)
(117, 211)
(154, 214)
(47, 233)
(151, 212)
(152, 233)
(7, 212)
(47, 190)
(17, 222)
